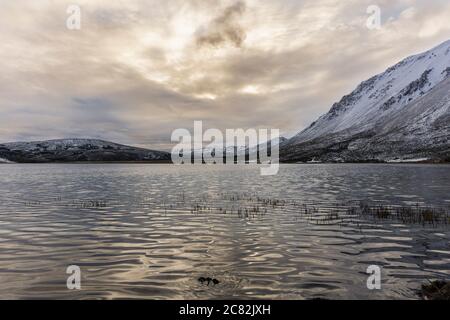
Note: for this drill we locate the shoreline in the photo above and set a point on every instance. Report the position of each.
(281, 163)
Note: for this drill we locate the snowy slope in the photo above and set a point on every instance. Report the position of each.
(408, 98)
(263, 146)
(384, 93)
(3, 160)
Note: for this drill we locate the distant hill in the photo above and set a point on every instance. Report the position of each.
(76, 150)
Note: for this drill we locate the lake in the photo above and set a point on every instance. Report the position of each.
(151, 231)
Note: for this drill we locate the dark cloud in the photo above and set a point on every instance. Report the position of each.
(223, 29)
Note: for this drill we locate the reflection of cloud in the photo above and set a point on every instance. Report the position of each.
(140, 69)
(224, 28)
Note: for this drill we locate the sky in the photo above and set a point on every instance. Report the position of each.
(137, 70)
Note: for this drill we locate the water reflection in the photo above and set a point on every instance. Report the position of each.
(151, 231)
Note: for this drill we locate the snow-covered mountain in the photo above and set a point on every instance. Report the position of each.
(403, 113)
(242, 150)
(67, 150)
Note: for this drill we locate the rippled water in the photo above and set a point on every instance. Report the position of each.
(150, 231)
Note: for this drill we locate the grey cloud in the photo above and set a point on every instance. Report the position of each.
(225, 28)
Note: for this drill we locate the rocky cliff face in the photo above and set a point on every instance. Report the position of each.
(403, 113)
(74, 150)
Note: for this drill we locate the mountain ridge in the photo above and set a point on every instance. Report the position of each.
(76, 150)
(354, 129)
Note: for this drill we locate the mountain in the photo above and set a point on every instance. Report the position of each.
(242, 149)
(250, 153)
(403, 113)
(264, 146)
(74, 150)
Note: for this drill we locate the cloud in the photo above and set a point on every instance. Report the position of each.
(223, 29)
(139, 69)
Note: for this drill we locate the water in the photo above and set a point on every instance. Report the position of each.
(150, 231)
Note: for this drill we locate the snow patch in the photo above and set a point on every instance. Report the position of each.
(417, 160)
(3, 160)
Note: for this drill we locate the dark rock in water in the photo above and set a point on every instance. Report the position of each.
(436, 290)
(208, 281)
